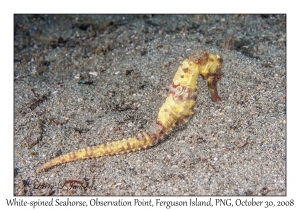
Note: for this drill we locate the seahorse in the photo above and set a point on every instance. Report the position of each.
(175, 110)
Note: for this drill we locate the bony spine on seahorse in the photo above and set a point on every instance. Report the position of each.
(174, 111)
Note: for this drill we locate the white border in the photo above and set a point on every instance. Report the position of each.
(153, 6)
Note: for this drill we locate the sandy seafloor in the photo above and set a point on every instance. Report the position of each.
(82, 80)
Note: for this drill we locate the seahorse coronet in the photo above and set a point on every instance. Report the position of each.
(176, 109)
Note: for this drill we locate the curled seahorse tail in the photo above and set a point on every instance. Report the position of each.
(141, 141)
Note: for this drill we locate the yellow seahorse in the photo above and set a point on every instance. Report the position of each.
(174, 111)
